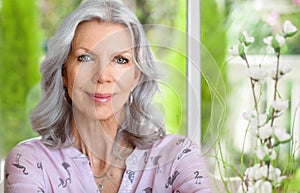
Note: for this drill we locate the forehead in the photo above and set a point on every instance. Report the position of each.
(96, 34)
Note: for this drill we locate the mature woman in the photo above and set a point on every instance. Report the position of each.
(99, 131)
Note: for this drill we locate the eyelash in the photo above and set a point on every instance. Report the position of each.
(88, 58)
(83, 58)
(118, 58)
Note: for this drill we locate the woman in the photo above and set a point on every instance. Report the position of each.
(99, 131)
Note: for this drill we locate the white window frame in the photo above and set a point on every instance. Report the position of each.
(193, 103)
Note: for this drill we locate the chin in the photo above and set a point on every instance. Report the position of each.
(105, 115)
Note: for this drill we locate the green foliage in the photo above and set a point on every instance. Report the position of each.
(19, 63)
(213, 39)
(159, 12)
(294, 182)
(169, 39)
(52, 12)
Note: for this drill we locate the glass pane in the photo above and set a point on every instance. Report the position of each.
(165, 28)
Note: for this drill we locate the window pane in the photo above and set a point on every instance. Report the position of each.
(165, 28)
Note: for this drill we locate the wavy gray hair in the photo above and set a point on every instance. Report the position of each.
(51, 118)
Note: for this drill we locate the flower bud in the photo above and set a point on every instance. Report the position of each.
(264, 187)
(237, 50)
(289, 29)
(283, 69)
(281, 135)
(262, 152)
(276, 41)
(280, 105)
(246, 39)
(265, 132)
(256, 73)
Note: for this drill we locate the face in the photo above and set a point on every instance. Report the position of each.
(100, 70)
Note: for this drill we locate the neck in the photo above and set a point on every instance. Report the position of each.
(95, 140)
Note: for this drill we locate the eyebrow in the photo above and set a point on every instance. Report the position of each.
(82, 48)
(127, 51)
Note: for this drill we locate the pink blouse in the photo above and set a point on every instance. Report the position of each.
(173, 164)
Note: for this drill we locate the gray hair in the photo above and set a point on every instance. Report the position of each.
(51, 118)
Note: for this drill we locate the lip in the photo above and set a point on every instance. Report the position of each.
(101, 98)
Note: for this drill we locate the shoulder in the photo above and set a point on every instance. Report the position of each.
(21, 166)
(25, 154)
(30, 143)
(33, 150)
(28, 147)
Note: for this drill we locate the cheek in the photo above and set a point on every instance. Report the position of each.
(78, 76)
(127, 79)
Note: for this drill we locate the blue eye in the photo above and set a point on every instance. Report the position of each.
(121, 60)
(84, 58)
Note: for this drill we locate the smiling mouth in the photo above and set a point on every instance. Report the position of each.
(101, 98)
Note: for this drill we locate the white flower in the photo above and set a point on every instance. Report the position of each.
(246, 39)
(261, 120)
(254, 172)
(289, 29)
(280, 40)
(263, 187)
(264, 171)
(256, 120)
(249, 115)
(262, 151)
(265, 132)
(256, 73)
(268, 40)
(275, 176)
(283, 69)
(273, 154)
(281, 134)
(234, 50)
(280, 105)
(237, 50)
(274, 173)
(276, 41)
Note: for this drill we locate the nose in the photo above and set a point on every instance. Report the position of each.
(104, 73)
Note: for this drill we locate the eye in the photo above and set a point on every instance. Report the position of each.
(84, 58)
(121, 60)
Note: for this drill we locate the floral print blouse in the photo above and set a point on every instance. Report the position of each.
(174, 164)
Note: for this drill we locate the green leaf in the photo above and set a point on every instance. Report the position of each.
(291, 34)
(241, 50)
(275, 43)
(242, 38)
